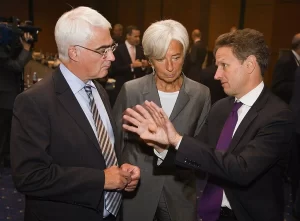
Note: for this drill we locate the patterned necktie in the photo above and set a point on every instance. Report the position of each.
(209, 205)
(112, 198)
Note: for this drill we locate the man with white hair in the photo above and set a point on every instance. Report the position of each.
(64, 149)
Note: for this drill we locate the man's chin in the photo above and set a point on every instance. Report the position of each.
(103, 73)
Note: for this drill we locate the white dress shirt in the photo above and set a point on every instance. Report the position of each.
(132, 52)
(77, 87)
(167, 100)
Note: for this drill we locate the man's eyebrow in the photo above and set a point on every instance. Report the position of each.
(104, 46)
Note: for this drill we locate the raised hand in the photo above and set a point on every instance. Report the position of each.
(137, 64)
(152, 125)
(161, 120)
(139, 121)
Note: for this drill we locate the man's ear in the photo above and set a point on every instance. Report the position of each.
(251, 63)
(73, 53)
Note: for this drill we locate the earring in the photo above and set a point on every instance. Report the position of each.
(153, 70)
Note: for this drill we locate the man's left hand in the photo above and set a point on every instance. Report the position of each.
(135, 176)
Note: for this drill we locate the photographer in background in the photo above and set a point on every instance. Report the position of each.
(10, 82)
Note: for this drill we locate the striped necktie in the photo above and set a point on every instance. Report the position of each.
(112, 198)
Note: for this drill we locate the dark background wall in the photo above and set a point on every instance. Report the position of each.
(277, 19)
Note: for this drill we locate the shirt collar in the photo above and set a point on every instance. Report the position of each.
(296, 55)
(74, 82)
(249, 98)
(128, 45)
(196, 40)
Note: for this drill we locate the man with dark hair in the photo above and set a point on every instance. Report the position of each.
(284, 72)
(244, 144)
(130, 60)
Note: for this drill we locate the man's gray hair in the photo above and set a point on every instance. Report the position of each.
(75, 28)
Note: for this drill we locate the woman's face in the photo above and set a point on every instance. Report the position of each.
(168, 69)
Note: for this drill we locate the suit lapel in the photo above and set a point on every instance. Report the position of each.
(182, 100)
(125, 53)
(219, 120)
(250, 116)
(150, 92)
(295, 59)
(138, 53)
(71, 105)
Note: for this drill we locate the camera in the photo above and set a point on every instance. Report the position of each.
(10, 32)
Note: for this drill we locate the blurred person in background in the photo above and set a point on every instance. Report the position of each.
(11, 70)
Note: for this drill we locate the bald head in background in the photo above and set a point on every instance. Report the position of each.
(196, 35)
(117, 33)
(233, 28)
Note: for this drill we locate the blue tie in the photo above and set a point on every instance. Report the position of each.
(209, 205)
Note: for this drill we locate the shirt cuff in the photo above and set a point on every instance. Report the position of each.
(161, 156)
(177, 146)
(131, 68)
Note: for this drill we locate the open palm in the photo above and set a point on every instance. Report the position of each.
(151, 124)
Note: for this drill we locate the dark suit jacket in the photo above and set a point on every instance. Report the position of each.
(295, 106)
(179, 185)
(194, 60)
(10, 76)
(295, 101)
(215, 87)
(56, 159)
(121, 70)
(251, 170)
(284, 76)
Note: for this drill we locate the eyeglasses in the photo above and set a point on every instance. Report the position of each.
(102, 51)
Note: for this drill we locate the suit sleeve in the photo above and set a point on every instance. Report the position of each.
(119, 66)
(35, 173)
(18, 64)
(118, 110)
(269, 145)
(198, 54)
(295, 104)
(283, 83)
(204, 113)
